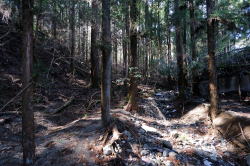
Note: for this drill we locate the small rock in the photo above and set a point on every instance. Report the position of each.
(207, 163)
(137, 123)
(127, 133)
(172, 155)
(148, 128)
(142, 131)
(168, 163)
(144, 152)
(167, 144)
(166, 153)
(175, 135)
(107, 150)
(159, 154)
(129, 150)
(145, 146)
(248, 160)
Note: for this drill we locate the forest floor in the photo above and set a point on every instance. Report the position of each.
(69, 132)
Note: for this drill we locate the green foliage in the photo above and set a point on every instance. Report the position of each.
(38, 69)
(134, 72)
(167, 69)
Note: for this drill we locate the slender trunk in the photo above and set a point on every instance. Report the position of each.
(116, 54)
(125, 53)
(79, 39)
(94, 48)
(127, 37)
(83, 43)
(179, 50)
(28, 128)
(169, 45)
(147, 29)
(211, 60)
(54, 27)
(185, 82)
(106, 63)
(72, 28)
(159, 32)
(146, 58)
(87, 42)
(132, 104)
(193, 43)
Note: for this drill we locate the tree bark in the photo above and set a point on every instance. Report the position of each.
(106, 63)
(94, 57)
(147, 28)
(132, 103)
(28, 128)
(87, 42)
(72, 28)
(179, 50)
(125, 52)
(211, 60)
(83, 42)
(127, 60)
(193, 43)
(167, 17)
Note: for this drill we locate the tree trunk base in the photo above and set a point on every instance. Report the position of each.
(131, 107)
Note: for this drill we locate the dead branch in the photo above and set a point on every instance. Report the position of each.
(60, 109)
(92, 101)
(14, 98)
(243, 135)
(3, 36)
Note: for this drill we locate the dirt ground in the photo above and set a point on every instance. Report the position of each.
(69, 131)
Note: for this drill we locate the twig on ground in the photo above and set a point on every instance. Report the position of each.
(3, 36)
(14, 98)
(244, 135)
(91, 101)
(60, 109)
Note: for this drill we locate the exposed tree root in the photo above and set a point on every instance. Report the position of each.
(111, 134)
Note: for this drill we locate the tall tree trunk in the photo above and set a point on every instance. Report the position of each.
(167, 17)
(159, 32)
(94, 57)
(125, 53)
(87, 42)
(72, 37)
(79, 31)
(184, 39)
(54, 21)
(28, 128)
(193, 43)
(132, 104)
(179, 50)
(106, 63)
(79, 40)
(146, 58)
(147, 28)
(115, 47)
(83, 42)
(211, 60)
(127, 37)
